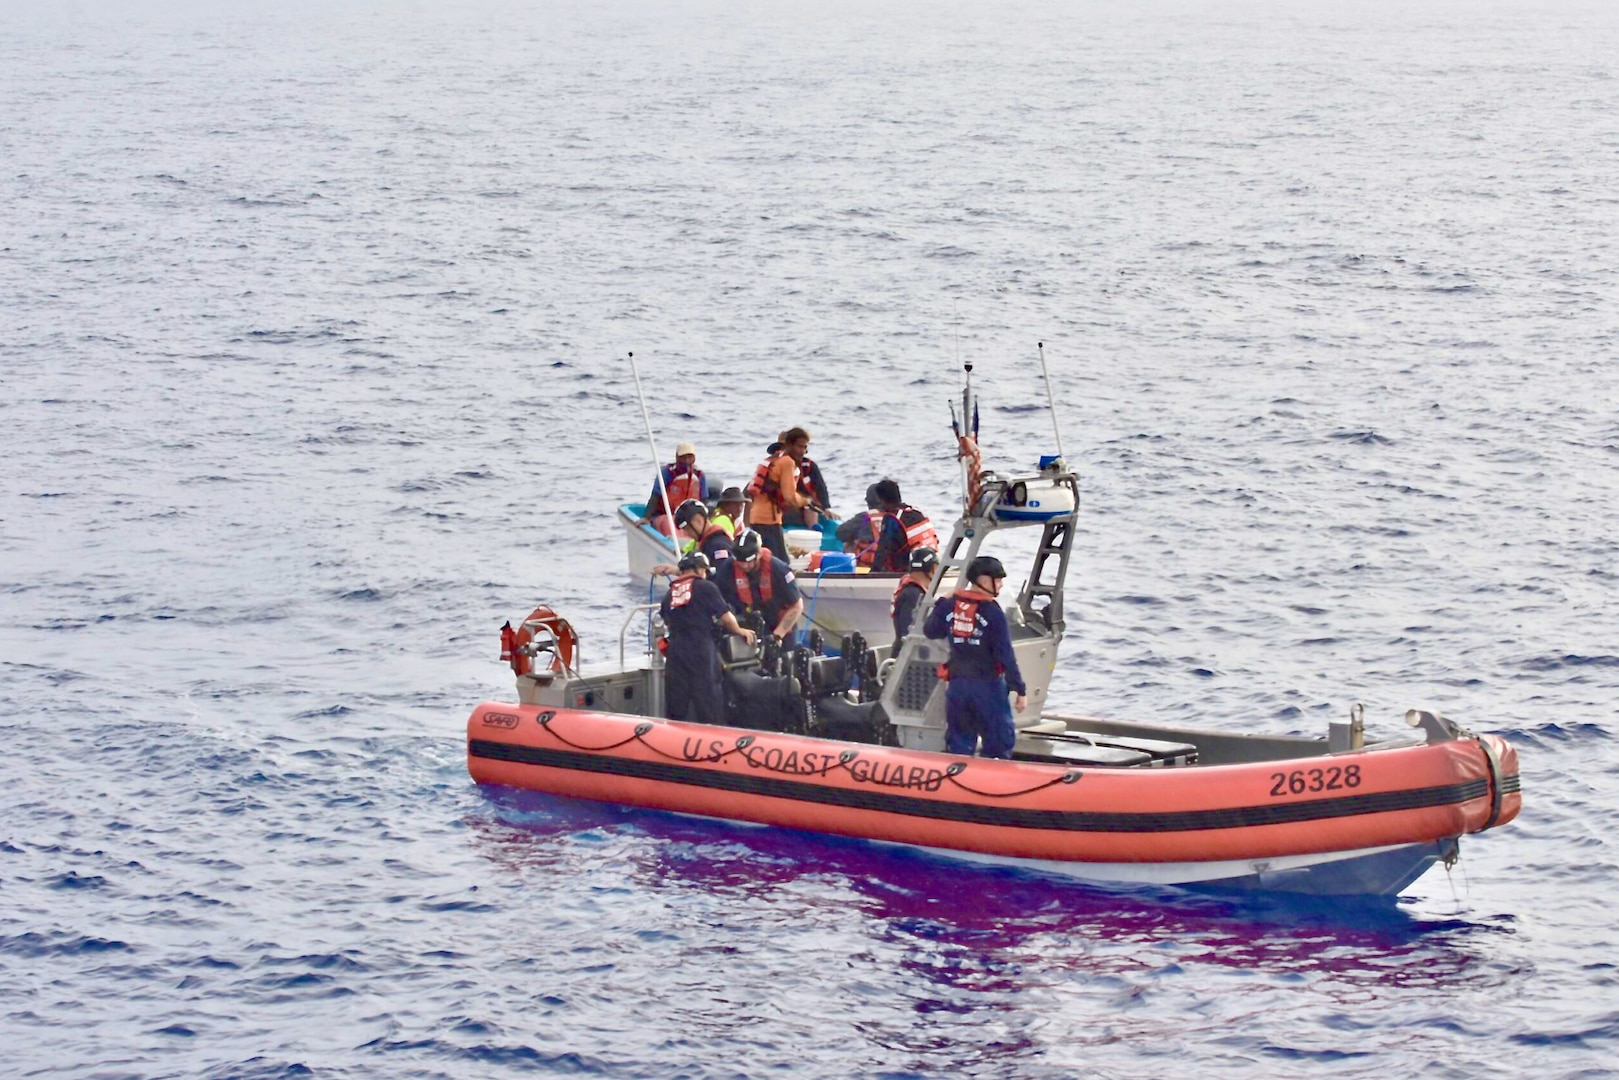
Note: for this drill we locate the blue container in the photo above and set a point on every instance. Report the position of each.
(837, 562)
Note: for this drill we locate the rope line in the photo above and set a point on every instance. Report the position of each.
(951, 773)
(545, 722)
(846, 760)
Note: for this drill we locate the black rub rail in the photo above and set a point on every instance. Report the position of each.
(1064, 820)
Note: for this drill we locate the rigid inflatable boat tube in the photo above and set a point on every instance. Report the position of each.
(1371, 798)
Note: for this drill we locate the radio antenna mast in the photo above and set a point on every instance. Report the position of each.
(1051, 401)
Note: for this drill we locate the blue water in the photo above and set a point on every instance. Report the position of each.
(312, 374)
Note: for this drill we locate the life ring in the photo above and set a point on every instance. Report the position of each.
(556, 634)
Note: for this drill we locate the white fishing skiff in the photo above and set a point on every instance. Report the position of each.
(838, 604)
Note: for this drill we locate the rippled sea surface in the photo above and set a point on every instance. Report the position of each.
(312, 372)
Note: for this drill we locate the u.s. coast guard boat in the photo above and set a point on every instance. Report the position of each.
(853, 744)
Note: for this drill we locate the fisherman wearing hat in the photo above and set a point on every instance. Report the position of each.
(680, 481)
(728, 510)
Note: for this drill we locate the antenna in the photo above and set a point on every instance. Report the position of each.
(1050, 401)
(955, 320)
(657, 464)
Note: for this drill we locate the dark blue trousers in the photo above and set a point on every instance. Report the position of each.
(977, 709)
(691, 688)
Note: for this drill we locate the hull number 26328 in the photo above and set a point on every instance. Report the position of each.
(1297, 782)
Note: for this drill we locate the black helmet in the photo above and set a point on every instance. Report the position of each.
(730, 495)
(924, 559)
(695, 560)
(985, 566)
(687, 510)
(747, 545)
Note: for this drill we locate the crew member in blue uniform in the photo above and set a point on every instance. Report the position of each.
(982, 665)
(695, 523)
(909, 592)
(759, 582)
(691, 675)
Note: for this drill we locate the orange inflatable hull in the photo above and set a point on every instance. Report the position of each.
(1228, 820)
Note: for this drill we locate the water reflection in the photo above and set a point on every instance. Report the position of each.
(970, 927)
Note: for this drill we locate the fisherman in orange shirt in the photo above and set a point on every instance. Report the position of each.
(774, 488)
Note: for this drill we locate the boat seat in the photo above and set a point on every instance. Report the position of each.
(1042, 727)
(735, 651)
(1159, 752)
(1073, 752)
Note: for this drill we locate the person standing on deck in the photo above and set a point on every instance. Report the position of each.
(909, 592)
(775, 489)
(982, 665)
(759, 583)
(692, 679)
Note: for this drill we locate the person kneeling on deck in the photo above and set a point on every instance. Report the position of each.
(759, 583)
(691, 675)
(982, 665)
(681, 480)
(912, 587)
(691, 517)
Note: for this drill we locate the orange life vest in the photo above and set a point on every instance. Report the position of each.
(920, 580)
(865, 549)
(963, 618)
(680, 590)
(762, 484)
(806, 482)
(744, 587)
(918, 530)
(683, 484)
(964, 615)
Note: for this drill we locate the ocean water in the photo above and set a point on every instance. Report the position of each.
(313, 371)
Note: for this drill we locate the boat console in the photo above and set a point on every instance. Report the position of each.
(913, 694)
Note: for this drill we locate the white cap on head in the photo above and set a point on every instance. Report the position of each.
(682, 449)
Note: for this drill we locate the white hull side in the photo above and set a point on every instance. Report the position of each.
(1374, 871)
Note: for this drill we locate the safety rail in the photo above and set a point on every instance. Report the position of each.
(624, 631)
